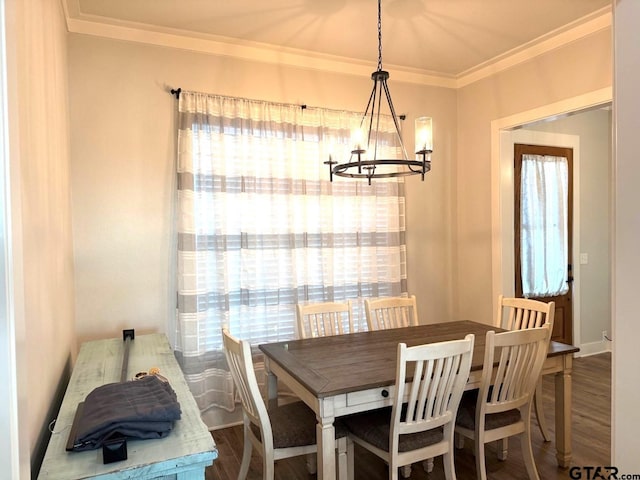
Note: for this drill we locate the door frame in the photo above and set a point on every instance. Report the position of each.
(9, 437)
(562, 323)
(504, 133)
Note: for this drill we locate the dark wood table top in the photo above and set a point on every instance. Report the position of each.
(339, 364)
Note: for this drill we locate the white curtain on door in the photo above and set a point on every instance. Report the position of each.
(261, 228)
(544, 227)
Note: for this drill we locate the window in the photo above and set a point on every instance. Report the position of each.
(261, 228)
(544, 216)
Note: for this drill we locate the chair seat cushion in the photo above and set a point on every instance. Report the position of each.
(374, 427)
(294, 425)
(466, 417)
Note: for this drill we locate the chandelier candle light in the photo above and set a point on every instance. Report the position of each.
(365, 167)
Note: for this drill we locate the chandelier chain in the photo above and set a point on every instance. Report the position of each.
(379, 35)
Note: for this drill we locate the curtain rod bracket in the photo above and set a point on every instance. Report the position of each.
(176, 92)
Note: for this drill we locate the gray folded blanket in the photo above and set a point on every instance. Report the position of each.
(144, 408)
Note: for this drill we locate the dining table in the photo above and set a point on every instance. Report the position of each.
(351, 373)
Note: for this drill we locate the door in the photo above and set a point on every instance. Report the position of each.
(543, 230)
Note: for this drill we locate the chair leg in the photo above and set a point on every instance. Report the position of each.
(393, 472)
(268, 468)
(268, 464)
(350, 458)
(449, 467)
(458, 440)
(427, 465)
(525, 441)
(342, 461)
(527, 453)
(542, 422)
(503, 449)
(481, 469)
(246, 456)
(312, 463)
(405, 471)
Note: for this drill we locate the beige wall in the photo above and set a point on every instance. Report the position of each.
(122, 137)
(123, 154)
(41, 220)
(574, 69)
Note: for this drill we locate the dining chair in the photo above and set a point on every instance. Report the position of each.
(518, 314)
(320, 320)
(501, 406)
(431, 378)
(323, 319)
(394, 312)
(391, 312)
(284, 431)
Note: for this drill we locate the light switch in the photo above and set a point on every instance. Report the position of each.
(584, 258)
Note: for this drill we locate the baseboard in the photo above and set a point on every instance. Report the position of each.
(593, 348)
(217, 418)
(38, 453)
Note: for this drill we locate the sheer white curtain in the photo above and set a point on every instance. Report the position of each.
(544, 215)
(261, 228)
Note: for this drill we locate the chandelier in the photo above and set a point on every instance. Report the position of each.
(364, 162)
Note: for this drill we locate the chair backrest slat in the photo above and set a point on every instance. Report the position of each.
(523, 313)
(520, 355)
(391, 312)
(432, 378)
(323, 319)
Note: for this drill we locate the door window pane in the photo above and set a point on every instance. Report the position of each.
(544, 229)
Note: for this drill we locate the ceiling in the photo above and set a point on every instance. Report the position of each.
(448, 38)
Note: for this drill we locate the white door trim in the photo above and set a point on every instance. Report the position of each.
(503, 136)
(9, 436)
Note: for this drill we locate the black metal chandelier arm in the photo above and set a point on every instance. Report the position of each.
(375, 94)
(391, 107)
(424, 165)
(395, 119)
(370, 105)
(377, 131)
(377, 175)
(343, 167)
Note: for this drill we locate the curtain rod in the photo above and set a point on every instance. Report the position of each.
(178, 91)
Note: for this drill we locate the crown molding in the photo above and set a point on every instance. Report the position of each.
(259, 52)
(597, 21)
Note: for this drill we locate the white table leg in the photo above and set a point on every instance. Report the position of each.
(326, 438)
(563, 413)
(271, 384)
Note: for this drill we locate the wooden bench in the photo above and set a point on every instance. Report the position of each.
(182, 455)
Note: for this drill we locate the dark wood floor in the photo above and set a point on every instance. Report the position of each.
(591, 440)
